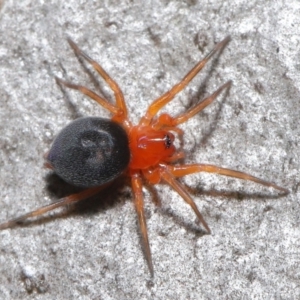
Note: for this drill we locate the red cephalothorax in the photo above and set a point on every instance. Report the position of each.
(91, 152)
(149, 146)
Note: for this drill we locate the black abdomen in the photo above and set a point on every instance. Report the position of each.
(90, 152)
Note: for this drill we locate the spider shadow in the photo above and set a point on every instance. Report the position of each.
(233, 195)
(56, 188)
(200, 94)
(177, 219)
(207, 133)
(73, 108)
(70, 105)
(75, 113)
(93, 78)
(198, 193)
(238, 196)
(203, 86)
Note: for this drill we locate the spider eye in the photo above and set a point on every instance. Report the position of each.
(169, 139)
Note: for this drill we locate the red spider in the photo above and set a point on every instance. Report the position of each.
(91, 152)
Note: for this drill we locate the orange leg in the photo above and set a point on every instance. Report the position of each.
(179, 171)
(114, 110)
(179, 188)
(137, 185)
(113, 85)
(176, 156)
(62, 202)
(168, 96)
(166, 120)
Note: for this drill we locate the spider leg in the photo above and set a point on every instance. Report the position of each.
(62, 202)
(182, 170)
(180, 189)
(168, 96)
(136, 182)
(114, 110)
(166, 120)
(113, 85)
(176, 156)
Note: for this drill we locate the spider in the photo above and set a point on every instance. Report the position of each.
(91, 152)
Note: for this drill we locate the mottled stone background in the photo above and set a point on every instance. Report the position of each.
(94, 251)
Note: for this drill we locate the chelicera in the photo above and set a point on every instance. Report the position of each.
(92, 152)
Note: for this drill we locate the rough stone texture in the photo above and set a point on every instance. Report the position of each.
(94, 251)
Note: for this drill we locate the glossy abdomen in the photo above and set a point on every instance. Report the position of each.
(90, 152)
